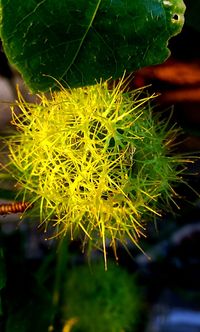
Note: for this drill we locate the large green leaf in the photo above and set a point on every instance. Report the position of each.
(79, 42)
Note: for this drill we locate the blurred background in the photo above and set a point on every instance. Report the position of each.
(168, 281)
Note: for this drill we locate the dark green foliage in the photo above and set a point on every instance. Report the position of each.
(79, 42)
(102, 300)
(26, 302)
(41, 296)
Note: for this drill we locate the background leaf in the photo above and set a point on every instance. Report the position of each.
(79, 42)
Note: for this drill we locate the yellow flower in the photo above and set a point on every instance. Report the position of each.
(94, 161)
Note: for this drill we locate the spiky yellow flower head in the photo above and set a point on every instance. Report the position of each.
(94, 161)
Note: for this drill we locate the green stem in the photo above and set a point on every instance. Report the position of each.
(61, 268)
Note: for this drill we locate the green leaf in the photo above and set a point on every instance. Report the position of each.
(79, 42)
